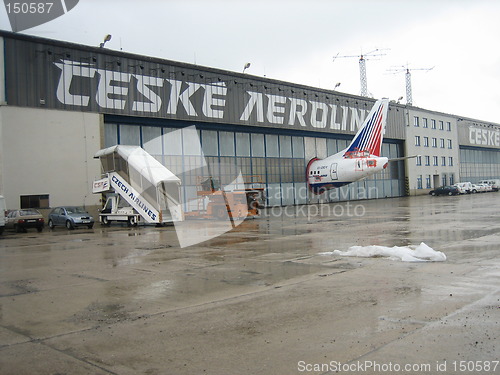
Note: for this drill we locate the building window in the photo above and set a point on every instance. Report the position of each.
(450, 144)
(209, 144)
(435, 160)
(243, 144)
(416, 121)
(130, 135)
(419, 160)
(35, 201)
(444, 179)
(428, 181)
(226, 143)
(433, 124)
(425, 123)
(285, 146)
(441, 125)
(434, 142)
(272, 145)
(298, 147)
(426, 141)
(427, 160)
(419, 182)
(443, 161)
(448, 126)
(258, 149)
(417, 140)
(441, 142)
(452, 179)
(110, 134)
(450, 161)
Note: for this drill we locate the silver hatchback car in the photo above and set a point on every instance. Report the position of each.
(70, 217)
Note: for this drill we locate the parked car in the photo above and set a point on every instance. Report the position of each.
(445, 190)
(70, 217)
(464, 187)
(21, 220)
(483, 188)
(495, 184)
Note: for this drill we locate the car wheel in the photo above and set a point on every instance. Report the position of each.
(39, 229)
(90, 226)
(69, 224)
(51, 224)
(450, 193)
(433, 193)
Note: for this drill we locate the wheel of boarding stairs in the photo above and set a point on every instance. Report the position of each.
(132, 221)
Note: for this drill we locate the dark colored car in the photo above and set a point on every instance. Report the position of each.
(21, 220)
(445, 190)
(70, 217)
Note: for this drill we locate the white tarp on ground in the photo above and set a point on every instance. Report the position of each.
(420, 253)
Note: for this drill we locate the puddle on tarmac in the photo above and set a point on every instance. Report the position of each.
(101, 313)
(227, 240)
(223, 278)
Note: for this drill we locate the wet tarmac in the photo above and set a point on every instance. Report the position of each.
(260, 299)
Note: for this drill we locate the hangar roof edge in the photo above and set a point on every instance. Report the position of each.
(59, 43)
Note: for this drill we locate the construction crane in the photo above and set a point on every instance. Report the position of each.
(406, 69)
(362, 66)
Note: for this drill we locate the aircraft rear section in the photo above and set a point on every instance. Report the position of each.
(389, 182)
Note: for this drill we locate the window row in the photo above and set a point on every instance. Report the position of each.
(425, 123)
(479, 156)
(445, 180)
(191, 141)
(442, 143)
(435, 161)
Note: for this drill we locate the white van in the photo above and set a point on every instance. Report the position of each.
(2, 214)
(495, 184)
(464, 187)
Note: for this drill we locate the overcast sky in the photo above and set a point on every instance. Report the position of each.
(296, 41)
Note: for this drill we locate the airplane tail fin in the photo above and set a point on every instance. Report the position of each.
(370, 134)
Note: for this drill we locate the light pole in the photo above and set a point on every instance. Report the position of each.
(107, 38)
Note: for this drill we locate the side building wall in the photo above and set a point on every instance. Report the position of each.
(433, 138)
(47, 157)
(479, 150)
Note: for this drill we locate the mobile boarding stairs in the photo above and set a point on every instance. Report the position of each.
(137, 187)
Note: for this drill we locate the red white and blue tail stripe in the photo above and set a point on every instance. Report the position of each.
(370, 134)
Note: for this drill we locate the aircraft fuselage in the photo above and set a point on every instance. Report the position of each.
(336, 170)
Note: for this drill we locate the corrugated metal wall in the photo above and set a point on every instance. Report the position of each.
(51, 74)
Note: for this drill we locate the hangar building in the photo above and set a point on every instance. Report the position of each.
(61, 102)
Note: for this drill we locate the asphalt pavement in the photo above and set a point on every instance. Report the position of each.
(261, 298)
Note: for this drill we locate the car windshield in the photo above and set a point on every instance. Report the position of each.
(28, 212)
(75, 210)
